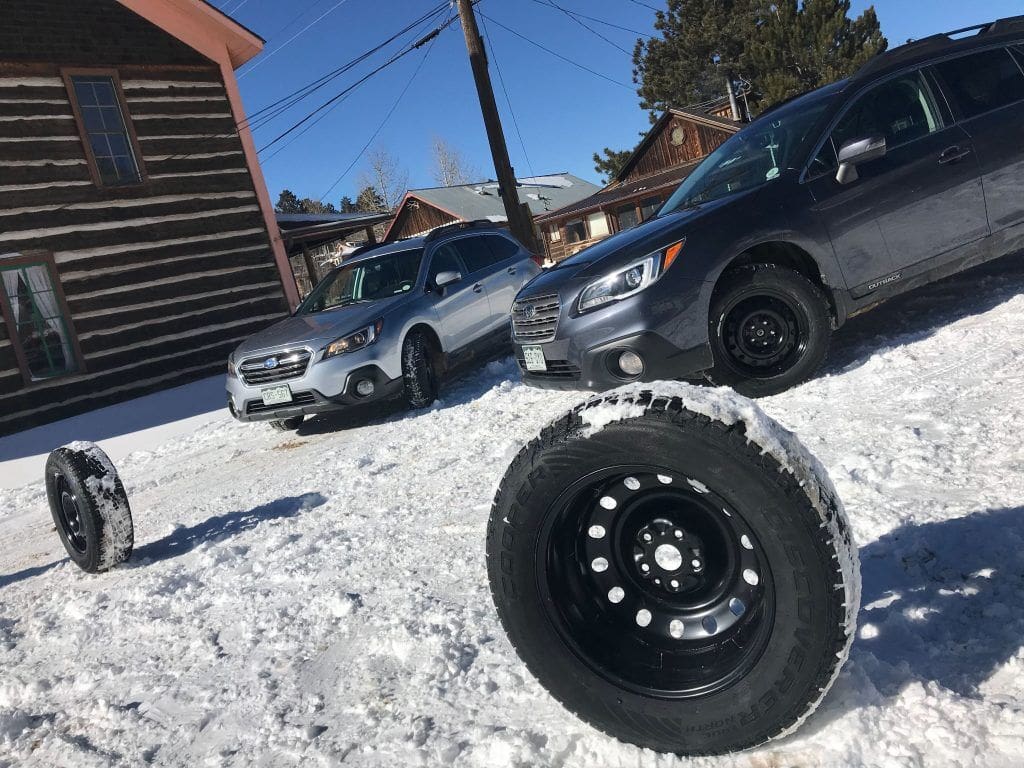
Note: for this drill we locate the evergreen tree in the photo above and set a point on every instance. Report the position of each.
(800, 46)
(370, 201)
(347, 206)
(287, 202)
(611, 162)
(309, 205)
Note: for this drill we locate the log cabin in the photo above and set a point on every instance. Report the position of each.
(679, 140)
(137, 239)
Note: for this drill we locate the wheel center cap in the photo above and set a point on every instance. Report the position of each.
(668, 557)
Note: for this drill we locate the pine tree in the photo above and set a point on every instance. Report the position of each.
(347, 206)
(370, 201)
(309, 205)
(800, 46)
(611, 162)
(287, 202)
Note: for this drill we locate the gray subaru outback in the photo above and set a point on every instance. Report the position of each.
(391, 322)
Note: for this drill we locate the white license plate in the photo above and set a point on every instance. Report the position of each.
(277, 395)
(533, 356)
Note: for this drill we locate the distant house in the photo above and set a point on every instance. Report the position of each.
(137, 240)
(667, 154)
(422, 210)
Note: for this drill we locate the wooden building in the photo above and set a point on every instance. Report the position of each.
(422, 210)
(670, 150)
(137, 239)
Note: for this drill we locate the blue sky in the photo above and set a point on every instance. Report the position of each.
(564, 113)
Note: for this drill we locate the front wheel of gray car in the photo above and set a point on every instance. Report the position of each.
(418, 371)
(769, 328)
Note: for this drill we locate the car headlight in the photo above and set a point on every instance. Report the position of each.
(232, 370)
(630, 279)
(351, 342)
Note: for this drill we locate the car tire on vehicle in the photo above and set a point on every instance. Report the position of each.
(290, 424)
(418, 372)
(89, 506)
(769, 329)
(675, 569)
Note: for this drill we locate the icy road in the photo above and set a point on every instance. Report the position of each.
(320, 598)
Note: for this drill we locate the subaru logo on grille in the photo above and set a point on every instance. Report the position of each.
(270, 362)
(530, 312)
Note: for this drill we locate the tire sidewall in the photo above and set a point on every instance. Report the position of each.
(62, 464)
(809, 302)
(417, 371)
(751, 710)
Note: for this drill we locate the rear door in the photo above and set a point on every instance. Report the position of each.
(986, 91)
(462, 308)
(487, 271)
(922, 199)
(514, 268)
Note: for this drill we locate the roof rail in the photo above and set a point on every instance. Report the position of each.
(459, 226)
(914, 48)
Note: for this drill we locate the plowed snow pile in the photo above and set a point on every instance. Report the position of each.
(320, 598)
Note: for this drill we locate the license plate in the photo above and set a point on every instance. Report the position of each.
(277, 395)
(533, 356)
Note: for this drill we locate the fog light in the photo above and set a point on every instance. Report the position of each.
(631, 364)
(364, 388)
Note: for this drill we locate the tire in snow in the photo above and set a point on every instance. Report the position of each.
(89, 507)
(418, 372)
(675, 568)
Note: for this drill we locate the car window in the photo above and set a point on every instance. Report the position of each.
(901, 110)
(502, 248)
(983, 81)
(445, 259)
(364, 281)
(475, 253)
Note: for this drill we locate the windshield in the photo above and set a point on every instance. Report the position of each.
(754, 156)
(364, 281)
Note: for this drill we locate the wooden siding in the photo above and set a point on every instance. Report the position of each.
(162, 279)
(692, 141)
(416, 217)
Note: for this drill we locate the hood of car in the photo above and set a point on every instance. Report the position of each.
(314, 330)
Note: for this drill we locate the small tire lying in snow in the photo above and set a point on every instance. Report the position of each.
(675, 568)
(89, 507)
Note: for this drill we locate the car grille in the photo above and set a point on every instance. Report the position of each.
(557, 369)
(298, 398)
(538, 324)
(290, 365)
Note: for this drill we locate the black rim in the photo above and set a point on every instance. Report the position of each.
(765, 334)
(655, 582)
(70, 516)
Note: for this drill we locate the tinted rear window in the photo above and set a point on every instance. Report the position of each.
(503, 248)
(983, 81)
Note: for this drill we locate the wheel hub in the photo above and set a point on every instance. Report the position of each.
(667, 556)
(763, 334)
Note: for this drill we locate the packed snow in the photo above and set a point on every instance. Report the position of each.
(320, 598)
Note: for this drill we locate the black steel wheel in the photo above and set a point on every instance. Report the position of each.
(681, 582)
(656, 584)
(89, 507)
(769, 329)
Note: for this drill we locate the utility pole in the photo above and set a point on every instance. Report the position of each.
(520, 221)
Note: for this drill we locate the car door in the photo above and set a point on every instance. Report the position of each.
(485, 269)
(921, 199)
(514, 268)
(986, 91)
(462, 308)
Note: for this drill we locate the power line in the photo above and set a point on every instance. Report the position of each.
(573, 17)
(279, 48)
(556, 54)
(645, 5)
(338, 96)
(611, 24)
(391, 111)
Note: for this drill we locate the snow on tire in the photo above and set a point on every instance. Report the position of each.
(89, 506)
(675, 568)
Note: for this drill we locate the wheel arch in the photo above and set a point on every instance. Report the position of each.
(787, 254)
(433, 336)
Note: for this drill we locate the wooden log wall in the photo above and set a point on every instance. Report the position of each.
(163, 278)
(417, 217)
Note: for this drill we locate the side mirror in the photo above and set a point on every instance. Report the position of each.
(445, 279)
(857, 151)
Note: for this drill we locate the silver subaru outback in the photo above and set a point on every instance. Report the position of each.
(390, 322)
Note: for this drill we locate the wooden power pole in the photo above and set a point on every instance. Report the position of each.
(520, 221)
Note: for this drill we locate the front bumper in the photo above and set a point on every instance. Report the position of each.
(596, 368)
(246, 403)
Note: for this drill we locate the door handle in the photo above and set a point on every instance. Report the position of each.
(477, 288)
(511, 270)
(952, 155)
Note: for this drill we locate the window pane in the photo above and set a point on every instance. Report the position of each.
(105, 126)
(475, 253)
(445, 259)
(983, 81)
(901, 110)
(575, 231)
(627, 216)
(39, 325)
(649, 207)
(503, 248)
(597, 223)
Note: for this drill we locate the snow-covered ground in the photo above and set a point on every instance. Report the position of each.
(320, 598)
